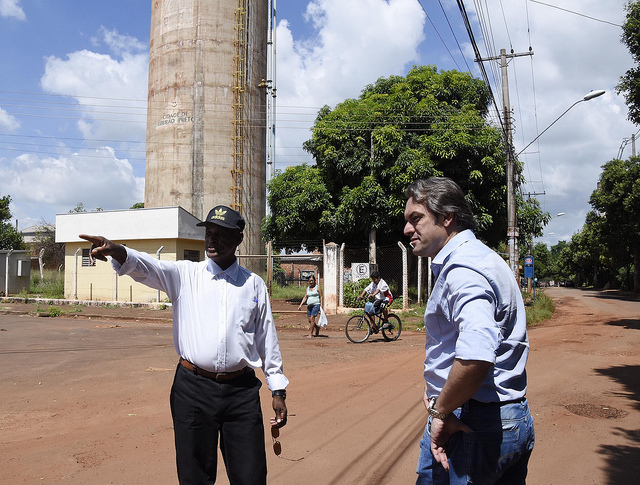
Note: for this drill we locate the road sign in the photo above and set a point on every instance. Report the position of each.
(528, 267)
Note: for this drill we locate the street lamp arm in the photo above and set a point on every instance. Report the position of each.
(587, 97)
(545, 130)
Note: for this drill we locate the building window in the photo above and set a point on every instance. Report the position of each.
(192, 255)
(86, 261)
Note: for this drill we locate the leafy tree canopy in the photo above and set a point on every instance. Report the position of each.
(10, 238)
(368, 150)
(629, 84)
(531, 221)
(617, 202)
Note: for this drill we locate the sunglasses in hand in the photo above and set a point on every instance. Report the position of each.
(275, 434)
(277, 447)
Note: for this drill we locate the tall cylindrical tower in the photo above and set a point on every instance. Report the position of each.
(206, 109)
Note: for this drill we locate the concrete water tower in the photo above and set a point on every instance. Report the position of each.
(206, 109)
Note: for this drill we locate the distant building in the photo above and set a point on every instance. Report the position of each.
(30, 234)
(169, 233)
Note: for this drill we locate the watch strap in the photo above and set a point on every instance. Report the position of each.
(436, 414)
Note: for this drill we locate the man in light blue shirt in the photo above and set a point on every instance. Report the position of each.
(479, 428)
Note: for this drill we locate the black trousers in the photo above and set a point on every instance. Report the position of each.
(202, 411)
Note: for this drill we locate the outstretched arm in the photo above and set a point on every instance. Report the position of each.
(101, 247)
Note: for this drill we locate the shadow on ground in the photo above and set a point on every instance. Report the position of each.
(623, 462)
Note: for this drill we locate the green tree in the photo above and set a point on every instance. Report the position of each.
(542, 262)
(297, 199)
(137, 205)
(78, 209)
(558, 270)
(10, 238)
(531, 222)
(45, 238)
(617, 202)
(629, 84)
(368, 150)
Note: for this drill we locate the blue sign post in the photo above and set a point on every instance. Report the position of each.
(529, 272)
(528, 267)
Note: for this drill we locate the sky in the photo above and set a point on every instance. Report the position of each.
(74, 85)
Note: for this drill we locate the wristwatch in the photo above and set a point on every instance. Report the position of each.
(432, 411)
(280, 392)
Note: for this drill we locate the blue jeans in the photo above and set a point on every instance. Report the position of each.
(313, 310)
(496, 452)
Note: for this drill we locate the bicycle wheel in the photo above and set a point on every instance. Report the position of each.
(358, 329)
(394, 330)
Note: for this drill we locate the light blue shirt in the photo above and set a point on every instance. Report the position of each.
(313, 296)
(476, 312)
(222, 319)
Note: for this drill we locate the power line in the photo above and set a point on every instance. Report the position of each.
(454, 35)
(439, 36)
(467, 24)
(577, 13)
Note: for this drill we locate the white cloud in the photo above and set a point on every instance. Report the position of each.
(103, 87)
(573, 55)
(123, 44)
(97, 178)
(8, 122)
(353, 44)
(11, 8)
(120, 82)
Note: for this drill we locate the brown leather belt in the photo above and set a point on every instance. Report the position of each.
(215, 376)
(473, 402)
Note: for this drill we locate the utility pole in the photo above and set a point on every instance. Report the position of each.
(512, 223)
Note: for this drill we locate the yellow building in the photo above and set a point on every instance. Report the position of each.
(168, 233)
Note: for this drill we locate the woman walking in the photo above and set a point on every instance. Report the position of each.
(313, 299)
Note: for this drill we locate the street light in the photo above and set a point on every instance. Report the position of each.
(512, 233)
(587, 97)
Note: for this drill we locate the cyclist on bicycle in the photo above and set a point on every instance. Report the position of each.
(379, 289)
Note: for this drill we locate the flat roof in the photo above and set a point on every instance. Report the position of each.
(130, 224)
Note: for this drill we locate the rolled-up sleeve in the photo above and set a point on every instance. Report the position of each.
(472, 305)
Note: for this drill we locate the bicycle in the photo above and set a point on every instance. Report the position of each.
(360, 327)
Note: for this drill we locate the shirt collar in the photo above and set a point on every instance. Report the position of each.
(231, 271)
(455, 242)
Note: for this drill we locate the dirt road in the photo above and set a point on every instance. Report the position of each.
(86, 401)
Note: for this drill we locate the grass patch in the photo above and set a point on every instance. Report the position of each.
(539, 310)
(51, 286)
(413, 319)
(289, 292)
(54, 311)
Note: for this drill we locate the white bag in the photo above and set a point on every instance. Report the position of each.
(322, 319)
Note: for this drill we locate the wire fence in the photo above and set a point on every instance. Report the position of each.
(404, 273)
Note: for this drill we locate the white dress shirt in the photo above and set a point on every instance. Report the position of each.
(222, 319)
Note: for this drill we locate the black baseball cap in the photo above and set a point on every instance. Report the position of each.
(224, 216)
